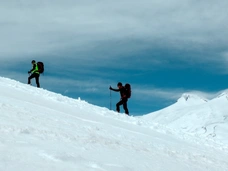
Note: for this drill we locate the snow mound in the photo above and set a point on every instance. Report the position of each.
(191, 99)
(197, 116)
(42, 130)
(224, 94)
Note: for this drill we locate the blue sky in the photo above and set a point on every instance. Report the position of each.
(164, 49)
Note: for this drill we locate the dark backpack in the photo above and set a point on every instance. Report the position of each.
(40, 67)
(128, 90)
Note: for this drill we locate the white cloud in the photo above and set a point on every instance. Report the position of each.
(225, 56)
(167, 94)
(46, 27)
(170, 94)
(79, 35)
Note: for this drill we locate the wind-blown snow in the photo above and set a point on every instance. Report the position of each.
(42, 131)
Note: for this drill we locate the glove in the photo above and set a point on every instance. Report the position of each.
(29, 72)
(110, 88)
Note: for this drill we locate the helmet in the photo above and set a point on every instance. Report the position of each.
(33, 61)
(119, 84)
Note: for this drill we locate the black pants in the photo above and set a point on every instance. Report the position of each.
(36, 76)
(124, 103)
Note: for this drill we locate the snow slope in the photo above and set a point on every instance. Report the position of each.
(43, 131)
(197, 116)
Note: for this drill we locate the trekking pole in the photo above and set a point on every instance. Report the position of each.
(110, 100)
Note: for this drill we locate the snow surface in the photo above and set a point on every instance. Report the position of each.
(43, 131)
(197, 116)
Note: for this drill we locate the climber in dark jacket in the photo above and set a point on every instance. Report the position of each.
(123, 100)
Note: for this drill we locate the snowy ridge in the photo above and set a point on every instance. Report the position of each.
(191, 99)
(42, 130)
(197, 116)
